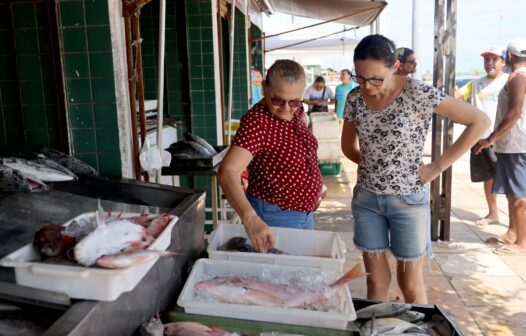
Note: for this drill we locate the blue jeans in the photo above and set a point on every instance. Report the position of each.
(399, 223)
(278, 217)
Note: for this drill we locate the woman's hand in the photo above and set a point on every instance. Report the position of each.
(259, 233)
(428, 172)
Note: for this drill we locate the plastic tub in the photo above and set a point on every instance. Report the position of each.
(306, 248)
(78, 281)
(329, 150)
(205, 269)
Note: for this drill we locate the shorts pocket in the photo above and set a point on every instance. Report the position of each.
(416, 198)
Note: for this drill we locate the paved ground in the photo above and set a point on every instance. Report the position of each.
(484, 293)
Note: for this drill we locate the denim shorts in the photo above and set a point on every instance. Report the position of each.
(510, 175)
(399, 223)
(273, 215)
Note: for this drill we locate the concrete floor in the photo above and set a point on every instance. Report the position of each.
(484, 293)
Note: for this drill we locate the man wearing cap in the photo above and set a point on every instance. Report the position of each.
(407, 60)
(484, 92)
(509, 142)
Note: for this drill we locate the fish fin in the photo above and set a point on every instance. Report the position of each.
(354, 273)
(99, 215)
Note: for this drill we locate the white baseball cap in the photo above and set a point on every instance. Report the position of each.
(517, 47)
(495, 50)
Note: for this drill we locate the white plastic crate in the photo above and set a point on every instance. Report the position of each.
(204, 269)
(82, 282)
(325, 126)
(329, 150)
(305, 248)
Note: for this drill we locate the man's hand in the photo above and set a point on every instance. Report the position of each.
(259, 233)
(483, 143)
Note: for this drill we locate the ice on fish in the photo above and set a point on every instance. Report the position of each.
(265, 293)
(36, 170)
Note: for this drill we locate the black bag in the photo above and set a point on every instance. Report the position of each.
(323, 108)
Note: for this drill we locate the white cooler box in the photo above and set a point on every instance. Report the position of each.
(78, 281)
(205, 269)
(329, 150)
(305, 248)
(324, 125)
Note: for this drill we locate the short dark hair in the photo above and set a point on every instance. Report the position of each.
(319, 79)
(376, 47)
(347, 71)
(403, 53)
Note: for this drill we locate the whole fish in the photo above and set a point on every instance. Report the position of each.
(185, 150)
(53, 165)
(240, 244)
(36, 170)
(192, 329)
(412, 316)
(158, 224)
(384, 309)
(198, 148)
(13, 180)
(75, 165)
(264, 293)
(388, 325)
(195, 138)
(130, 258)
(110, 238)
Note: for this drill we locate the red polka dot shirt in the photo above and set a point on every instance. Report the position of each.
(284, 169)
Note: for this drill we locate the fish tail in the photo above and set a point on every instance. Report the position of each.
(354, 273)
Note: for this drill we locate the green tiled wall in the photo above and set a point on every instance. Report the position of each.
(28, 104)
(173, 95)
(201, 59)
(89, 83)
(240, 96)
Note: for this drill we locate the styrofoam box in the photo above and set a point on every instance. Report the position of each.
(203, 267)
(78, 281)
(306, 248)
(329, 150)
(325, 126)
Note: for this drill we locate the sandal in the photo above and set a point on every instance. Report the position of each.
(507, 250)
(486, 221)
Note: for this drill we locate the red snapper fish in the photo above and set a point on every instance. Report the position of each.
(264, 293)
(130, 258)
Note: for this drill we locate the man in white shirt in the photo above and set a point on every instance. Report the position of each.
(318, 96)
(484, 92)
(509, 142)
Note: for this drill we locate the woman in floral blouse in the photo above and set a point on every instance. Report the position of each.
(387, 118)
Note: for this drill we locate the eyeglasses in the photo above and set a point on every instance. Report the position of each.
(361, 80)
(276, 101)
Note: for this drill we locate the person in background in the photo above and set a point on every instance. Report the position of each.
(256, 85)
(483, 93)
(509, 142)
(386, 121)
(274, 144)
(318, 96)
(407, 60)
(341, 93)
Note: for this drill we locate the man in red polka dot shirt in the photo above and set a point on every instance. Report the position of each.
(275, 146)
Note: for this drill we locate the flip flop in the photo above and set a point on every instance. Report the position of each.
(506, 250)
(486, 221)
(494, 240)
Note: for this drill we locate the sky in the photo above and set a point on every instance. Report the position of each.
(480, 24)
